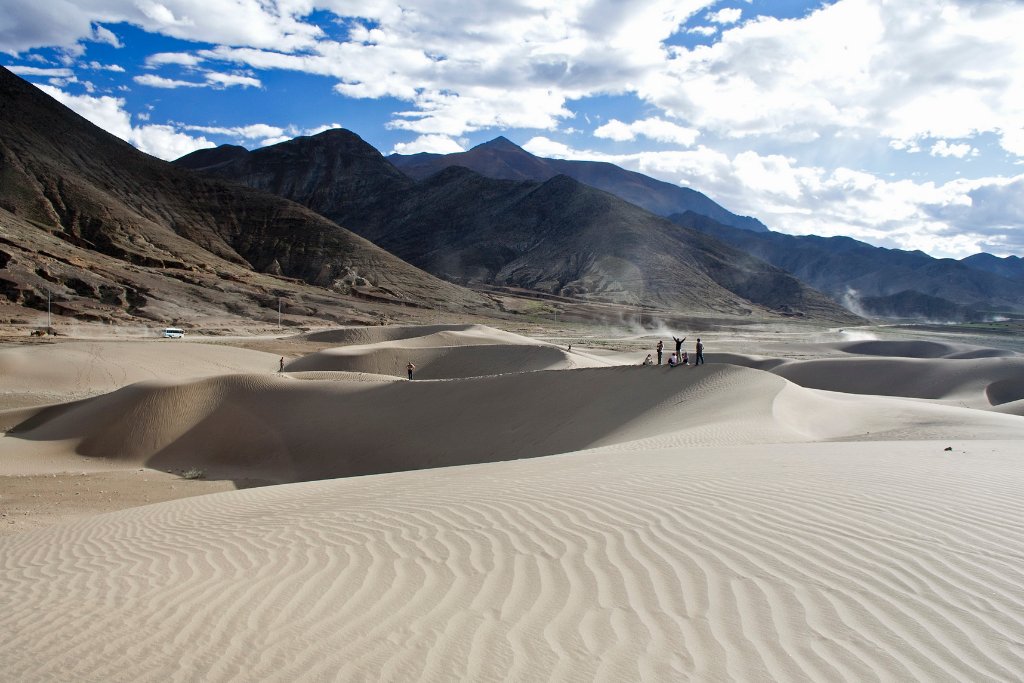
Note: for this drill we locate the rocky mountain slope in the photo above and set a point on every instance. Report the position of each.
(501, 158)
(559, 236)
(113, 233)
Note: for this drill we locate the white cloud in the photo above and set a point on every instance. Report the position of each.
(265, 24)
(653, 128)
(104, 35)
(703, 30)
(1012, 140)
(165, 142)
(109, 114)
(888, 71)
(41, 71)
(320, 129)
(944, 149)
(181, 58)
(437, 144)
(729, 15)
(96, 66)
(228, 80)
(255, 131)
(546, 147)
(212, 80)
(154, 81)
(502, 65)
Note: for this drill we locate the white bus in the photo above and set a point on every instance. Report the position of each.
(174, 333)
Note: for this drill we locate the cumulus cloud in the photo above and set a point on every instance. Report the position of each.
(322, 128)
(109, 114)
(154, 81)
(96, 66)
(729, 15)
(41, 71)
(254, 131)
(105, 35)
(180, 58)
(212, 79)
(273, 24)
(436, 144)
(503, 65)
(944, 149)
(653, 128)
(891, 71)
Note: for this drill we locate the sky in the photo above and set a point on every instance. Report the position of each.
(896, 122)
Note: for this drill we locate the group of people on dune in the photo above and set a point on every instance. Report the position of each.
(679, 357)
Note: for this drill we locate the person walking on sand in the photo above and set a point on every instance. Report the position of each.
(281, 369)
(699, 358)
(659, 348)
(410, 368)
(679, 346)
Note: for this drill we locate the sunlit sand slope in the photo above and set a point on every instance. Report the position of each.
(291, 429)
(50, 373)
(470, 351)
(834, 562)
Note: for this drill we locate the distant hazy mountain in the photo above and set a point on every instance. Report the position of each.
(1011, 267)
(875, 280)
(558, 236)
(111, 231)
(505, 160)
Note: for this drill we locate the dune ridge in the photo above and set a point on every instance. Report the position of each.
(276, 427)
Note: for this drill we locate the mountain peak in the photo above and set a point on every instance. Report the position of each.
(500, 143)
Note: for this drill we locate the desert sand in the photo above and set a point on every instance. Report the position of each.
(842, 510)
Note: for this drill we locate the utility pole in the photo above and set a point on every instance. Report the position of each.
(48, 294)
(278, 313)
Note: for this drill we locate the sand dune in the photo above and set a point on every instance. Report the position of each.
(852, 517)
(441, 353)
(786, 562)
(918, 349)
(50, 373)
(290, 430)
(346, 336)
(966, 382)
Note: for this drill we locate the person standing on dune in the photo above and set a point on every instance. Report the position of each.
(699, 358)
(410, 368)
(659, 348)
(679, 346)
(281, 369)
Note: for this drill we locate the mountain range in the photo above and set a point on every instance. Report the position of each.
(500, 158)
(106, 232)
(876, 281)
(871, 280)
(556, 235)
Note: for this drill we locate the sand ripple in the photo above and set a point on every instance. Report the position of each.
(766, 563)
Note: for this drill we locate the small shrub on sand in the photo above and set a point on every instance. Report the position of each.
(194, 473)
